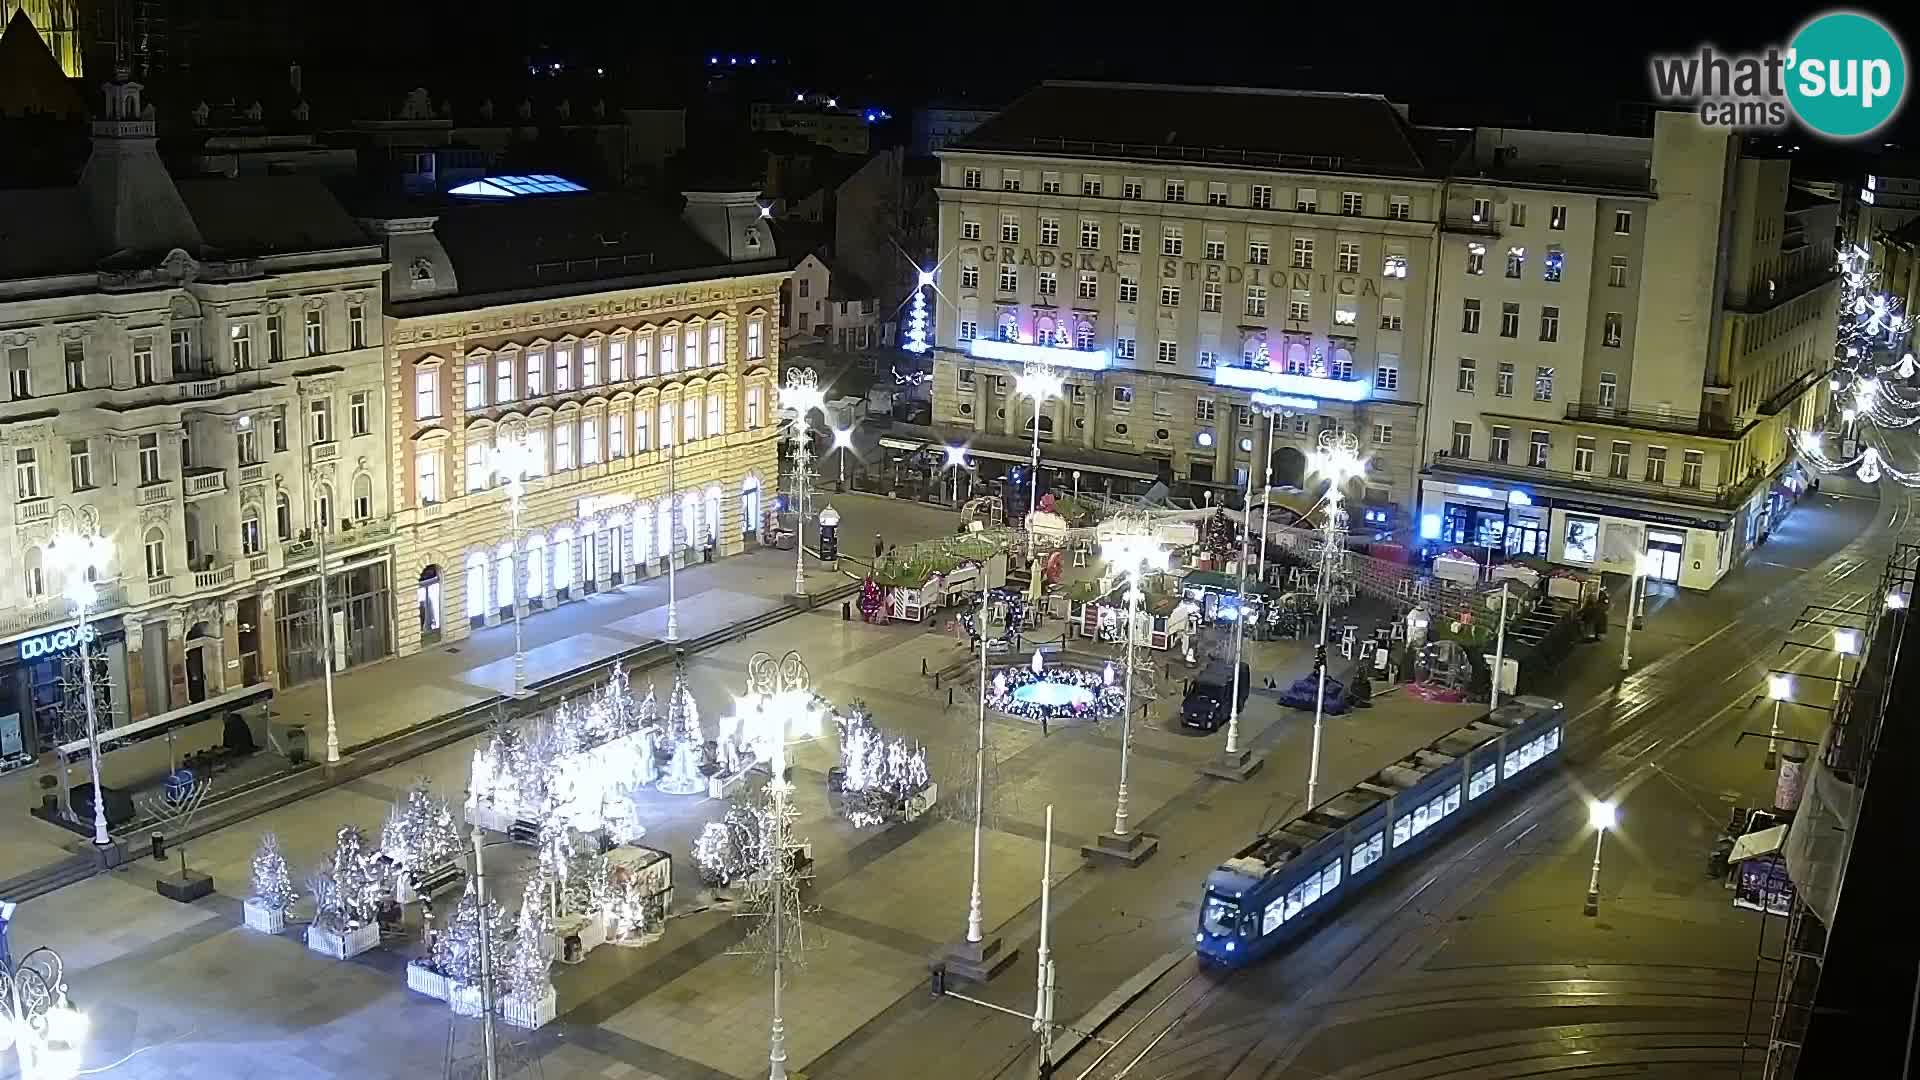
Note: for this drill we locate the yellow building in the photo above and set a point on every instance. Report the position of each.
(57, 22)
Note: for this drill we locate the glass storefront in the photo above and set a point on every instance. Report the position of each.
(361, 604)
(41, 699)
(1464, 523)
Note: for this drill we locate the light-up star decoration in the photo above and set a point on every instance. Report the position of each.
(779, 707)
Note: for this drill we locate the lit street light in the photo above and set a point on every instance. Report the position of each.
(1779, 688)
(1602, 816)
(1133, 554)
(36, 1017)
(956, 460)
(1337, 458)
(843, 442)
(511, 460)
(801, 395)
(80, 558)
(1039, 383)
(1643, 567)
(1845, 643)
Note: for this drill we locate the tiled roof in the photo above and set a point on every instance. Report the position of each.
(268, 215)
(1356, 133)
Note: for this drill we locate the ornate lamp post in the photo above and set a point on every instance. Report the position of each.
(802, 395)
(1039, 383)
(39, 1021)
(320, 528)
(1338, 459)
(1237, 763)
(843, 442)
(511, 461)
(1602, 816)
(957, 461)
(1133, 552)
(80, 557)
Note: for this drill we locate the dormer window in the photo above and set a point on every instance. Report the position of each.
(421, 273)
(753, 237)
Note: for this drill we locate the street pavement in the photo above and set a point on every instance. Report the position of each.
(189, 992)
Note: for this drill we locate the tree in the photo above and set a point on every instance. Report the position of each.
(1219, 539)
(272, 886)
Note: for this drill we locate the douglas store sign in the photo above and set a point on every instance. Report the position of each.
(56, 641)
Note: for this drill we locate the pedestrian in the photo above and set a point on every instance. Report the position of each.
(879, 547)
(1043, 723)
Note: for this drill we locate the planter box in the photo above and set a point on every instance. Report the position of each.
(920, 802)
(423, 980)
(530, 1014)
(343, 946)
(259, 916)
(466, 1000)
(591, 929)
(720, 786)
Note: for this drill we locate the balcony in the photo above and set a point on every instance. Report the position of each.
(1271, 380)
(54, 610)
(1469, 225)
(159, 588)
(259, 564)
(215, 576)
(1724, 497)
(155, 493)
(325, 451)
(1705, 424)
(29, 511)
(203, 482)
(252, 474)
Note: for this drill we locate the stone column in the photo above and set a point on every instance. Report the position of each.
(135, 692)
(269, 634)
(229, 677)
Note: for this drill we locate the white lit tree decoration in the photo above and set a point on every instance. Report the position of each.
(879, 775)
(421, 833)
(917, 315)
(683, 744)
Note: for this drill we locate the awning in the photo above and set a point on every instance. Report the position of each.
(1755, 844)
(156, 726)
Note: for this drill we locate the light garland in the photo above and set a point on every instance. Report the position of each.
(1105, 703)
(917, 316)
(879, 774)
(1865, 393)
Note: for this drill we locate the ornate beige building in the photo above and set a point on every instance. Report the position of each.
(633, 351)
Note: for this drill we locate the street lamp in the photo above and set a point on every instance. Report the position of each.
(1896, 600)
(1779, 688)
(1601, 815)
(321, 525)
(1845, 643)
(1643, 566)
(801, 395)
(80, 557)
(1039, 383)
(1236, 763)
(956, 460)
(1133, 553)
(843, 442)
(1337, 458)
(511, 460)
(40, 1022)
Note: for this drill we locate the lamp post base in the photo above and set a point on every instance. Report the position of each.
(974, 961)
(110, 854)
(1238, 766)
(1129, 850)
(1593, 904)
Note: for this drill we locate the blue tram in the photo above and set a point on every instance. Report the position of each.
(1287, 881)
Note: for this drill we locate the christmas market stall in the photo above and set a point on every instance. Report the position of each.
(919, 581)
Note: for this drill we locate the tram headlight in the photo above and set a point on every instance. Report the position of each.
(1198, 938)
(1230, 946)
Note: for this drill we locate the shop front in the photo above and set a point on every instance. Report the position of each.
(360, 608)
(41, 699)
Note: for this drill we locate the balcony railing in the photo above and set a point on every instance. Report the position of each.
(159, 587)
(206, 482)
(155, 493)
(1679, 423)
(1725, 496)
(253, 474)
(212, 579)
(29, 511)
(53, 610)
(326, 451)
(1467, 223)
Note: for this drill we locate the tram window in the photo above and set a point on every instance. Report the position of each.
(1296, 899)
(1367, 852)
(1481, 782)
(1553, 739)
(1453, 800)
(1273, 916)
(1220, 916)
(1402, 831)
(1330, 877)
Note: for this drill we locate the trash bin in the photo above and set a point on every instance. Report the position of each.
(297, 744)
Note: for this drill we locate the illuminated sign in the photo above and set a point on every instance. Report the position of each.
(1475, 491)
(911, 378)
(1280, 382)
(1519, 498)
(1284, 401)
(55, 641)
(1019, 352)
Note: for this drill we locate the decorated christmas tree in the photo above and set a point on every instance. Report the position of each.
(682, 743)
(272, 887)
(420, 833)
(527, 967)
(455, 952)
(871, 602)
(1219, 540)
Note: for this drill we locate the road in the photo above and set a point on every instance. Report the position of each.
(1478, 962)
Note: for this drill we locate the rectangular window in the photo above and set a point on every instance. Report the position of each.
(1260, 197)
(1162, 403)
(690, 419)
(536, 372)
(1499, 443)
(1175, 191)
(1516, 262)
(1009, 229)
(1353, 204)
(1123, 398)
(155, 550)
(1302, 253)
(1517, 213)
(1299, 309)
(616, 436)
(1169, 352)
(1203, 410)
(1050, 232)
(280, 429)
(1692, 464)
(969, 329)
(476, 464)
(1399, 208)
(643, 349)
(316, 329)
(1470, 316)
(1386, 376)
(643, 426)
(1123, 348)
(1367, 852)
(476, 383)
(590, 360)
(180, 351)
(1609, 389)
(1383, 434)
(562, 445)
(1583, 454)
(1476, 259)
(1553, 265)
(1617, 272)
(1216, 194)
(1543, 384)
(143, 369)
(1503, 381)
(1402, 831)
(1260, 253)
(503, 380)
(1009, 180)
(150, 459)
(1169, 296)
(1509, 320)
(357, 326)
(1129, 291)
(1049, 283)
(26, 475)
(1009, 279)
(616, 360)
(1557, 218)
(690, 354)
(239, 348)
(1256, 301)
(969, 277)
(970, 179)
(1089, 287)
(427, 476)
(1617, 460)
(80, 462)
(1214, 250)
(1549, 323)
(1344, 313)
(1050, 183)
(1656, 464)
(1350, 258)
(1540, 449)
(320, 420)
(1623, 222)
(1390, 312)
(969, 230)
(1171, 241)
(1132, 188)
(1610, 330)
(1089, 234)
(1090, 186)
(1129, 239)
(1306, 201)
(276, 339)
(1483, 210)
(426, 394)
(1464, 379)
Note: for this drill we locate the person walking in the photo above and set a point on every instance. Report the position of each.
(879, 547)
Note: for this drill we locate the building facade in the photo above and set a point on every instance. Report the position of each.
(640, 375)
(1626, 330)
(1285, 248)
(821, 122)
(194, 371)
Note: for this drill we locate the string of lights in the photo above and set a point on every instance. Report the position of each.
(1872, 357)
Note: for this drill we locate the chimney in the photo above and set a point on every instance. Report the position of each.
(733, 222)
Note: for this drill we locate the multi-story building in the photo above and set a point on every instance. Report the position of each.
(1885, 200)
(1176, 250)
(820, 121)
(631, 350)
(1626, 329)
(935, 126)
(193, 370)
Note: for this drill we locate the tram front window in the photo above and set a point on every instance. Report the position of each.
(1221, 917)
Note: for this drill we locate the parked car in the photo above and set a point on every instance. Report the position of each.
(1206, 705)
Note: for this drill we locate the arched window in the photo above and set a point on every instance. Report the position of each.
(323, 505)
(642, 526)
(563, 568)
(1296, 359)
(750, 506)
(36, 573)
(477, 585)
(156, 552)
(251, 540)
(690, 519)
(536, 565)
(282, 517)
(363, 497)
(663, 528)
(1083, 336)
(713, 516)
(503, 576)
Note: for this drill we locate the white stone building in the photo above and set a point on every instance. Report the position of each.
(178, 354)
(633, 350)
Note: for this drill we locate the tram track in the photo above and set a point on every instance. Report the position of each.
(1642, 721)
